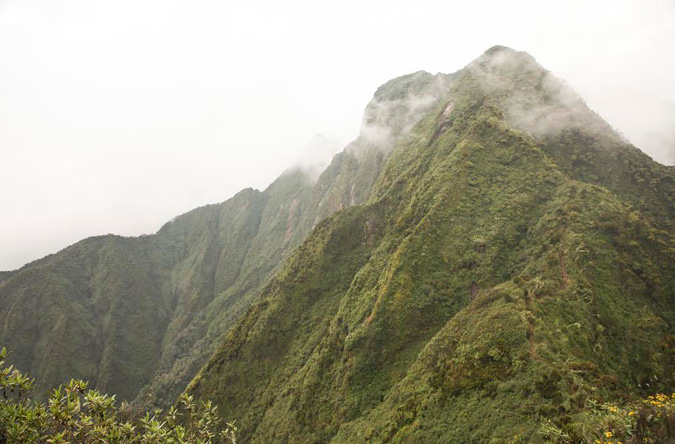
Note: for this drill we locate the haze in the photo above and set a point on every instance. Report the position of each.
(117, 116)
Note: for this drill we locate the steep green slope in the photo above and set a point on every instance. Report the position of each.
(498, 274)
(137, 317)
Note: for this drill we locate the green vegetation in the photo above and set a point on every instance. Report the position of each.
(74, 413)
(650, 420)
(488, 262)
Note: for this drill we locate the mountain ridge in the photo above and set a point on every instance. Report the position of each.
(487, 254)
(196, 275)
(440, 309)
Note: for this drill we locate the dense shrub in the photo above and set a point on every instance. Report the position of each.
(650, 420)
(75, 414)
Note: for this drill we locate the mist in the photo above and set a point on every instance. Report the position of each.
(117, 116)
(385, 119)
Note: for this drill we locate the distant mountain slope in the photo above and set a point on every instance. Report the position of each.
(515, 260)
(139, 316)
(4, 275)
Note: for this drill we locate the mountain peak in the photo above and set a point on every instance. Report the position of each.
(399, 104)
(499, 48)
(532, 98)
(507, 61)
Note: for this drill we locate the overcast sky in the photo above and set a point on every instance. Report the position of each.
(116, 116)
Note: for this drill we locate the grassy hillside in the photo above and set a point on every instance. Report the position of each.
(498, 278)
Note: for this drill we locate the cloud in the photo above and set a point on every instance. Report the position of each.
(317, 154)
(398, 105)
(534, 100)
(11, 20)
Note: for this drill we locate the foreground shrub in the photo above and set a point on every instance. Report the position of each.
(76, 414)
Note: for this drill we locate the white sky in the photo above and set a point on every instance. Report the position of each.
(116, 116)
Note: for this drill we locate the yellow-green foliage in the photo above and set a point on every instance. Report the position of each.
(75, 414)
(649, 420)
